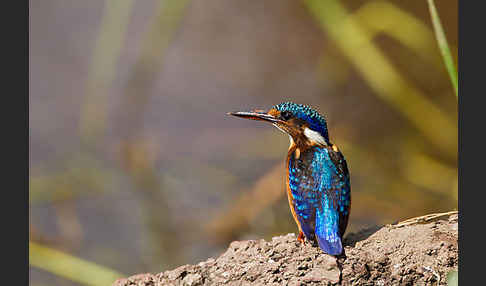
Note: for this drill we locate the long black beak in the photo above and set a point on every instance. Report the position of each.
(255, 115)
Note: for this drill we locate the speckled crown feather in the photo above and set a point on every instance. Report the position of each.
(304, 112)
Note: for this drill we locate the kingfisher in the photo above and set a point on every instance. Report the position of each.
(317, 177)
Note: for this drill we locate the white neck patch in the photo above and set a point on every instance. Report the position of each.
(314, 136)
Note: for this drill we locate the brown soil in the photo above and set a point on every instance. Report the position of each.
(409, 254)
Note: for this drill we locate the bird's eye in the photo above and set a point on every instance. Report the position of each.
(286, 115)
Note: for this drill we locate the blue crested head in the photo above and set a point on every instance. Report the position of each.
(316, 121)
(303, 124)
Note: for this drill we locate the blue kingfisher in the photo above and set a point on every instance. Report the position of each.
(318, 184)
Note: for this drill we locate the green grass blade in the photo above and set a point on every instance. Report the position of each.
(382, 76)
(70, 267)
(381, 17)
(443, 45)
(107, 49)
(453, 278)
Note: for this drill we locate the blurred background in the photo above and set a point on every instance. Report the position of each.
(135, 166)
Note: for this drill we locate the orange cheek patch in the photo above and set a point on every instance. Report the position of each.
(274, 112)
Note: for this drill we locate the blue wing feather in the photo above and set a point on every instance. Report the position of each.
(319, 182)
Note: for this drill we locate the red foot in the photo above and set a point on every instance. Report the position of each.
(301, 237)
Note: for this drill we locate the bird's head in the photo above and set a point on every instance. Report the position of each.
(304, 125)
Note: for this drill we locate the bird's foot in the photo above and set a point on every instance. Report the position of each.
(301, 237)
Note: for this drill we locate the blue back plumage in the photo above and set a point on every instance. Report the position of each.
(320, 187)
(304, 112)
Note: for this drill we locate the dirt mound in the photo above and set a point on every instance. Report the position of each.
(420, 252)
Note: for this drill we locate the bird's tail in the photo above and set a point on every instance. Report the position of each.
(327, 233)
(330, 247)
